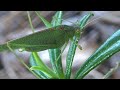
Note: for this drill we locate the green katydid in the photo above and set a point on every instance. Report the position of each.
(50, 38)
(47, 39)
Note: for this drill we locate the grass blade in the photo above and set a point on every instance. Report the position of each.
(47, 24)
(84, 20)
(49, 73)
(70, 57)
(30, 21)
(73, 45)
(33, 62)
(41, 65)
(57, 20)
(41, 70)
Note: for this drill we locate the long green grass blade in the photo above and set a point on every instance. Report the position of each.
(109, 48)
(84, 20)
(57, 20)
(41, 65)
(49, 73)
(47, 24)
(30, 21)
(41, 70)
(33, 62)
(73, 45)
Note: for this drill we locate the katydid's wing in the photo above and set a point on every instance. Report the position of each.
(47, 39)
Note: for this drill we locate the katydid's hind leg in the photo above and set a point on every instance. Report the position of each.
(64, 46)
(9, 46)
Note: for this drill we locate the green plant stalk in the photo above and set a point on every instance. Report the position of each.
(41, 64)
(109, 48)
(30, 21)
(47, 71)
(83, 22)
(70, 57)
(57, 20)
(35, 62)
(73, 45)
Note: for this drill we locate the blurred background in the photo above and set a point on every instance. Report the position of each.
(14, 24)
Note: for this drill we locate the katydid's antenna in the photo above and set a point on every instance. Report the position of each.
(65, 20)
(95, 20)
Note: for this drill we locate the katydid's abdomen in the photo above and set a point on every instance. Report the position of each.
(49, 38)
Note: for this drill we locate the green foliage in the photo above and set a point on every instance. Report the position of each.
(109, 48)
(54, 53)
(57, 38)
(73, 45)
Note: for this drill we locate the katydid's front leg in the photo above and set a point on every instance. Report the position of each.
(64, 46)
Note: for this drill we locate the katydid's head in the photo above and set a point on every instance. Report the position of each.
(71, 31)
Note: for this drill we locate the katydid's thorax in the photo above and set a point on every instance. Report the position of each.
(71, 31)
(68, 33)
